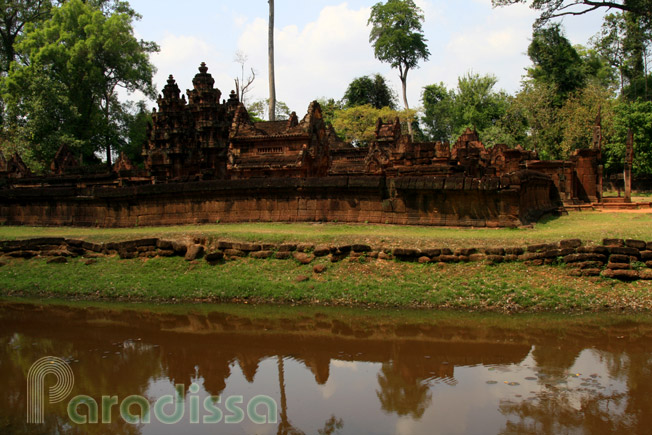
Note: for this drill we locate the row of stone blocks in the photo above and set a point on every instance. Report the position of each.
(615, 258)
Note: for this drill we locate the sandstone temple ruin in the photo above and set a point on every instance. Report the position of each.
(206, 160)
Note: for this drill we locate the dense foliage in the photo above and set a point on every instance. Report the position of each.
(62, 86)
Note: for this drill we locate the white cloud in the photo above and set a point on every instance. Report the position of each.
(181, 55)
(497, 46)
(317, 60)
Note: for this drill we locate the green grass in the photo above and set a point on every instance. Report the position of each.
(511, 287)
(588, 226)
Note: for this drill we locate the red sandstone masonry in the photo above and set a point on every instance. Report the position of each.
(586, 260)
(491, 202)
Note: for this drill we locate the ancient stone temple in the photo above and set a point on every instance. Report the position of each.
(188, 140)
(289, 148)
(207, 160)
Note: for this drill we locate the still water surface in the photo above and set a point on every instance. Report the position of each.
(334, 371)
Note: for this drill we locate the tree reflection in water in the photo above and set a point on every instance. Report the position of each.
(402, 396)
(590, 408)
(391, 364)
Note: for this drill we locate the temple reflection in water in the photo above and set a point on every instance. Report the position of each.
(337, 372)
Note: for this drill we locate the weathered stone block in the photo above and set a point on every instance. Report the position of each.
(646, 255)
(552, 253)
(540, 247)
(604, 250)
(247, 247)
(514, 251)
(164, 244)
(223, 244)
(305, 247)
(214, 256)
(495, 258)
(495, 251)
(194, 252)
(94, 247)
(165, 252)
(322, 250)
(567, 251)
(406, 253)
(57, 260)
(624, 275)
(618, 258)
(636, 244)
(577, 258)
(342, 249)
(465, 252)
(613, 242)
(645, 274)
(511, 258)
(618, 266)
(287, 247)
(591, 272)
(261, 254)
(303, 257)
(282, 255)
(625, 251)
(589, 265)
(235, 253)
(570, 243)
(448, 259)
(424, 259)
(360, 248)
(319, 268)
(431, 252)
(179, 248)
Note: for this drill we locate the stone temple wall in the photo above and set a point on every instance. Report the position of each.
(513, 200)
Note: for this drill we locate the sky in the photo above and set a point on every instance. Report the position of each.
(322, 45)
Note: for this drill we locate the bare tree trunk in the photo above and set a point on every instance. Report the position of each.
(270, 51)
(107, 138)
(403, 76)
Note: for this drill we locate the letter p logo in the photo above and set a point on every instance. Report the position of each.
(35, 380)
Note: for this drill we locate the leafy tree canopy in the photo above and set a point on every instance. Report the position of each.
(474, 103)
(397, 38)
(370, 90)
(66, 91)
(556, 62)
(358, 124)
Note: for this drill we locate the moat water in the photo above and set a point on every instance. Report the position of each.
(267, 370)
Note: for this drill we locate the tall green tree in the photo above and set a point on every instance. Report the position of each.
(357, 124)
(66, 92)
(638, 117)
(556, 62)
(474, 103)
(397, 38)
(439, 118)
(609, 43)
(14, 17)
(370, 90)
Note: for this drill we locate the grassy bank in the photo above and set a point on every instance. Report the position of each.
(513, 287)
(588, 226)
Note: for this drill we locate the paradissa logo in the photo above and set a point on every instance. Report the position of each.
(134, 409)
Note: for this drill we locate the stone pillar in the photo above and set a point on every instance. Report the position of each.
(597, 145)
(629, 160)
